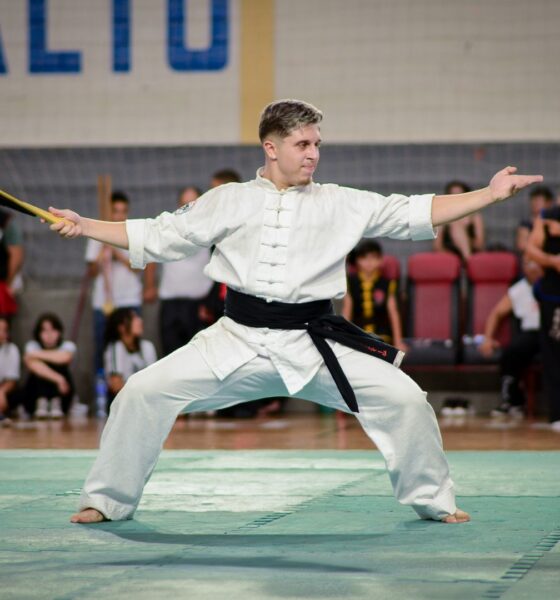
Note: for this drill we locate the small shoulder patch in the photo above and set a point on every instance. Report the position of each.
(185, 208)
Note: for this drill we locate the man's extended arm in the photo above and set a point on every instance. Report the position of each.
(504, 184)
(74, 225)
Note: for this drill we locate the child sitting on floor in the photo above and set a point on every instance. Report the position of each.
(49, 388)
(125, 350)
(9, 371)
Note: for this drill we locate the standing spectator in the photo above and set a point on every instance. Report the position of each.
(213, 306)
(524, 346)
(49, 388)
(212, 309)
(116, 284)
(544, 247)
(465, 236)
(9, 370)
(126, 352)
(224, 176)
(182, 288)
(540, 197)
(11, 261)
(371, 300)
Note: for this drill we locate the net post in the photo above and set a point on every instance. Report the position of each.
(104, 189)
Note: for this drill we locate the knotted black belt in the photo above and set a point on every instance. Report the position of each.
(321, 323)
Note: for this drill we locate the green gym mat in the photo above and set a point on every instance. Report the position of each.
(281, 525)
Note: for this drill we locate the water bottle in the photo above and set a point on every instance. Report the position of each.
(100, 395)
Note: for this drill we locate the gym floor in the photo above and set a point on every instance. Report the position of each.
(302, 508)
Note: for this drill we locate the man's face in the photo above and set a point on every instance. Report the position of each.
(119, 211)
(189, 195)
(297, 155)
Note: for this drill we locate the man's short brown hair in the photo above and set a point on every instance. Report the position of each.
(283, 116)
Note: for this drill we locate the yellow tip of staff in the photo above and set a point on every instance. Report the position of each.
(31, 208)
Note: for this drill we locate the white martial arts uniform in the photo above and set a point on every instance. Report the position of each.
(288, 246)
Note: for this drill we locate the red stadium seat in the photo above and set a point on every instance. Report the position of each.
(433, 308)
(489, 276)
(391, 267)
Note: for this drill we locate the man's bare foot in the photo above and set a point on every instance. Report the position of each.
(459, 517)
(88, 515)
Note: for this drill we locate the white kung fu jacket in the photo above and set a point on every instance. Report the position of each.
(287, 245)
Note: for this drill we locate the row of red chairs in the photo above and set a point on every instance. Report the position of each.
(438, 315)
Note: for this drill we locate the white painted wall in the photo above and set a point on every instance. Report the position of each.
(424, 70)
(150, 105)
(382, 70)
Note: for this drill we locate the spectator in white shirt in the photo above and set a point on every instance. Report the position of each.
(126, 352)
(182, 288)
(524, 345)
(9, 371)
(49, 388)
(116, 284)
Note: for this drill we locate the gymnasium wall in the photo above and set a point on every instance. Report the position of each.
(166, 72)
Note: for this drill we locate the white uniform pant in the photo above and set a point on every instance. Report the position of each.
(393, 412)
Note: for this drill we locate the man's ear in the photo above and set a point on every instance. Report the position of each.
(269, 147)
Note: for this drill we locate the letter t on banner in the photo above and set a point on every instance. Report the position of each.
(121, 36)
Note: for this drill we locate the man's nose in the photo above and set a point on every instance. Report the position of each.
(313, 152)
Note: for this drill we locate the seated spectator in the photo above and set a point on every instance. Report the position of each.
(11, 261)
(465, 236)
(115, 283)
(371, 300)
(126, 352)
(524, 345)
(540, 198)
(9, 371)
(49, 388)
(544, 248)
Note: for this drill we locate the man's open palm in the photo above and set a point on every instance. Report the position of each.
(506, 183)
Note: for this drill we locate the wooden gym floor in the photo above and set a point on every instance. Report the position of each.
(284, 432)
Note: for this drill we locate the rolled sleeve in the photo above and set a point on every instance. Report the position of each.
(135, 232)
(420, 217)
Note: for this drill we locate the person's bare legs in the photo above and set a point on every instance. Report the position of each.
(88, 515)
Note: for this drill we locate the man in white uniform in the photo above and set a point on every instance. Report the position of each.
(280, 246)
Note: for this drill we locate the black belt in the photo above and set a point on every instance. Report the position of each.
(321, 323)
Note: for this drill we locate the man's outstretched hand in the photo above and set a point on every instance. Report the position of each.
(506, 183)
(70, 227)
